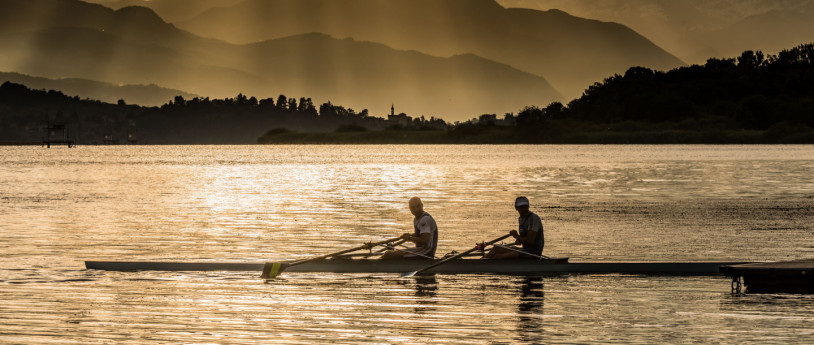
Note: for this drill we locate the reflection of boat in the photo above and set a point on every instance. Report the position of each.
(795, 277)
(518, 266)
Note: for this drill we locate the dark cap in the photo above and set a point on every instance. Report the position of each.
(521, 201)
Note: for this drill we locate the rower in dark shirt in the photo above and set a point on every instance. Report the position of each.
(529, 235)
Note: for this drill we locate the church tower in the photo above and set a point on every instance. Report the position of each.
(392, 110)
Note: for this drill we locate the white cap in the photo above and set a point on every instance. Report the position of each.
(521, 201)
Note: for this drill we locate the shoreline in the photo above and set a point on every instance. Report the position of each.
(508, 137)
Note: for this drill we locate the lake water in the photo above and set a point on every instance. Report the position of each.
(59, 207)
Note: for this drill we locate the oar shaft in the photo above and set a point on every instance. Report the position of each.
(272, 269)
(459, 255)
(394, 245)
(416, 254)
(522, 252)
(364, 246)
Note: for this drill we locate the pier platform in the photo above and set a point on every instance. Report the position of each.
(795, 277)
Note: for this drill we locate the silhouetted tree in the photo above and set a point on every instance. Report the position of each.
(282, 102)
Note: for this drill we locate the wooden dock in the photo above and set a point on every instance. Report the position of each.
(795, 277)
(57, 134)
(48, 143)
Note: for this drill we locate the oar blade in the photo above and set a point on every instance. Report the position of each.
(408, 274)
(272, 269)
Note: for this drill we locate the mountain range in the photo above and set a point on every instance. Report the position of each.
(170, 10)
(454, 59)
(133, 45)
(695, 30)
(570, 52)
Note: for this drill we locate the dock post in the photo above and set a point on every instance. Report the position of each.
(737, 285)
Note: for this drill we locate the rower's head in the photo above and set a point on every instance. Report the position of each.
(521, 204)
(416, 206)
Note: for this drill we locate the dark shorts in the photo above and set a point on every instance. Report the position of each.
(532, 255)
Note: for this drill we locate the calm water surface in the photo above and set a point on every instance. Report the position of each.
(59, 207)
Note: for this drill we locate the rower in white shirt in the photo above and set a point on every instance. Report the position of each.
(425, 235)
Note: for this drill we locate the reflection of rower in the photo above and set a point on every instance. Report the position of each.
(530, 236)
(530, 311)
(426, 286)
(425, 235)
(531, 296)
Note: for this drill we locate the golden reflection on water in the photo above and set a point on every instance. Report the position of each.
(60, 207)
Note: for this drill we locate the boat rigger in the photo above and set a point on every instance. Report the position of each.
(458, 266)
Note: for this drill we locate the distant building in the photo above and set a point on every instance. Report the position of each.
(400, 119)
(57, 134)
(488, 119)
(109, 139)
(508, 120)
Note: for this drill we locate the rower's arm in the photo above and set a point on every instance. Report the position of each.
(531, 235)
(422, 240)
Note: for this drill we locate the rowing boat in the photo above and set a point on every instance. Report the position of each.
(516, 266)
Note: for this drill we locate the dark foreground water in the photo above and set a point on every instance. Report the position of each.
(61, 206)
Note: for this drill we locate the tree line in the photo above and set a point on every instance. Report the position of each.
(24, 113)
(753, 93)
(753, 98)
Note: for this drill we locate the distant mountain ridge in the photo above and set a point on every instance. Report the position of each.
(696, 30)
(570, 52)
(146, 95)
(133, 45)
(770, 32)
(170, 10)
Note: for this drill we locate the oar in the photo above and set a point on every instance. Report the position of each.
(416, 254)
(391, 246)
(478, 247)
(542, 257)
(385, 247)
(273, 269)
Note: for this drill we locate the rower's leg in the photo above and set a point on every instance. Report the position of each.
(497, 253)
(507, 255)
(393, 254)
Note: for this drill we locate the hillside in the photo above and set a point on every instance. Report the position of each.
(234, 120)
(751, 99)
(147, 95)
(696, 30)
(134, 46)
(568, 51)
(170, 10)
(770, 31)
(768, 95)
